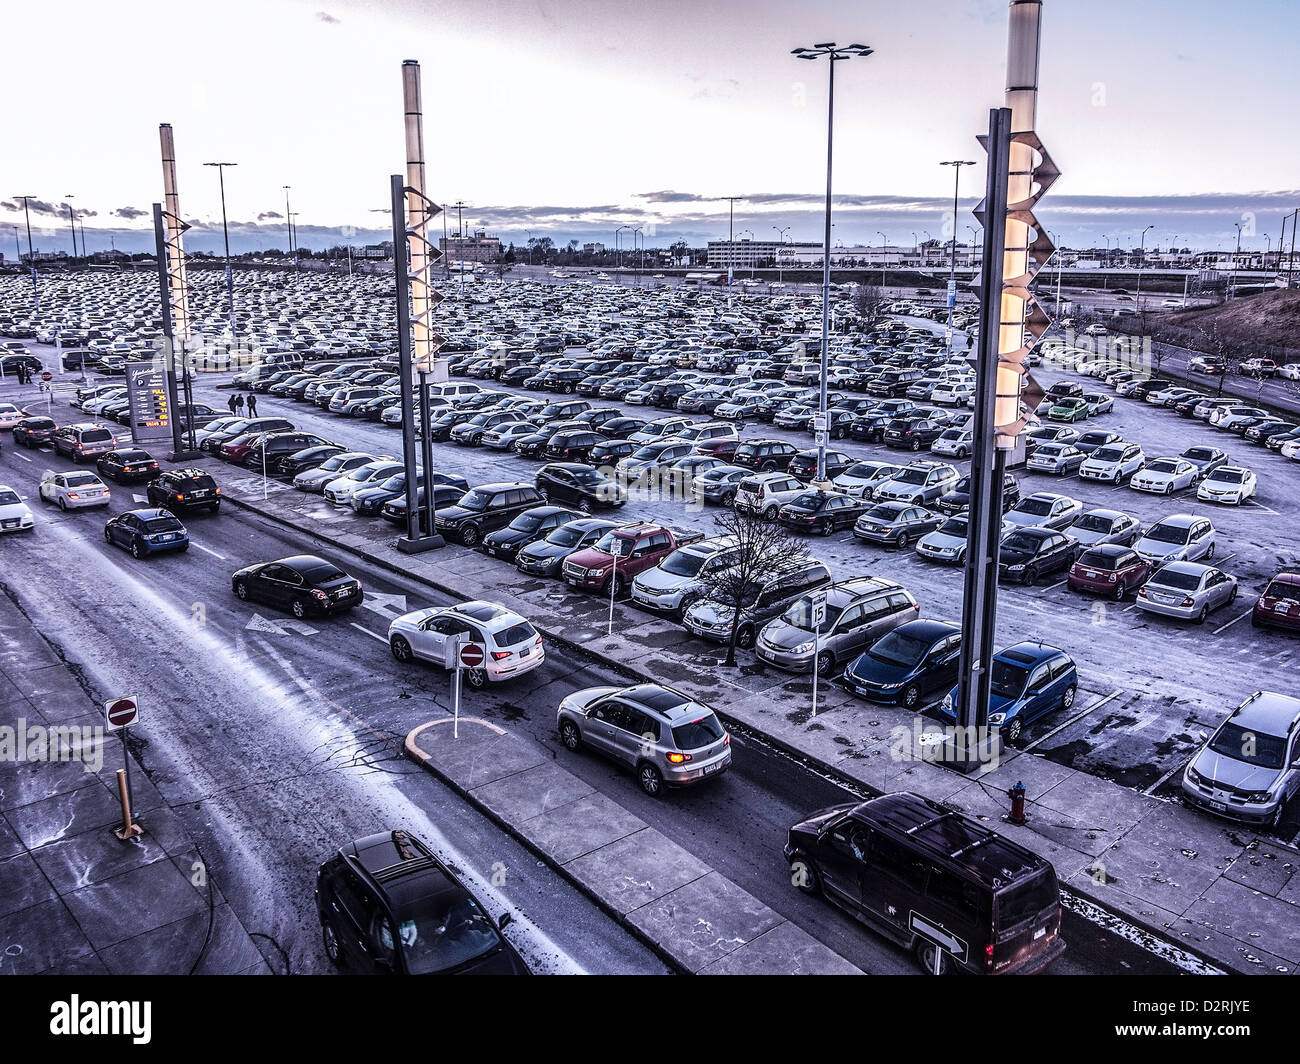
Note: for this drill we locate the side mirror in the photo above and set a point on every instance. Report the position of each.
(1203, 736)
(504, 920)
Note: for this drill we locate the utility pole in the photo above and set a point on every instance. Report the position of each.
(72, 221)
(1142, 259)
(780, 232)
(731, 241)
(956, 165)
(225, 229)
(1232, 286)
(31, 253)
(288, 224)
(883, 260)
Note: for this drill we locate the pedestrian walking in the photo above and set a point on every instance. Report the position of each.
(252, 405)
(239, 404)
(233, 403)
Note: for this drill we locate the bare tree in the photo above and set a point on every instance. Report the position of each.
(1219, 348)
(870, 305)
(764, 549)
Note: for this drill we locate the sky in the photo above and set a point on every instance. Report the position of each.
(569, 118)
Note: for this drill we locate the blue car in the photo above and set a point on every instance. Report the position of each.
(1029, 680)
(146, 532)
(912, 660)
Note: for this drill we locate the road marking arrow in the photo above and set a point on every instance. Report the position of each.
(140, 498)
(389, 606)
(278, 627)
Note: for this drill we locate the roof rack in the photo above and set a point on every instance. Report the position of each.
(932, 821)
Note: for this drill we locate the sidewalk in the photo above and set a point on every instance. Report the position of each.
(695, 918)
(1208, 886)
(74, 900)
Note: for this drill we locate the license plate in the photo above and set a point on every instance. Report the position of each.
(1040, 933)
(492, 551)
(1217, 806)
(712, 768)
(1281, 607)
(11, 524)
(572, 581)
(525, 652)
(200, 494)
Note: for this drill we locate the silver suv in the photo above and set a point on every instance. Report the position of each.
(766, 493)
(858, 612)
(677, 581)
(1250, 767)
(919, 483)
(667, 737)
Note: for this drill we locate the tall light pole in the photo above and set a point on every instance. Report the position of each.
(1056, 251)
(460, 206)
(883, 259)
(288, 225)
(750, 250)
(1232, 287)
(834, 55)
(1290, 255)
(230, 276)
(1142, 261)
(635, 257)
(529, 234)
(72, 221)
(731, 240)
(974, 243)
(31, 253)
(956, 165)
(781, 238)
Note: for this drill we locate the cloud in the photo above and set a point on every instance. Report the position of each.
(269, 215)
(669, 196)
(36, 206)
(326, 17)
(129, 214)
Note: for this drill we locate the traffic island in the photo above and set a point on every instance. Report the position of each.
(696, 919)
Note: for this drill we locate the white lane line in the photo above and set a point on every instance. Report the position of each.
(1053, 587)
(1222, 561)
(373, 635)
(1078, 716)
(1234, 621)
(22, 456)
(1127, 608)
(1152, 789)
(209, 550)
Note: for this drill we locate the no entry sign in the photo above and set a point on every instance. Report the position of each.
(471, 655)
(122, 712)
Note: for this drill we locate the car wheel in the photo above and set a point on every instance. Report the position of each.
(803, 874)
(745, 636)
(476, 678)
(545, 494)
(911, 696)
(767, 467)
(1210, 553)
(570, 736)
(824, 527)
(1255, 622)
(470, 535)
(1012, 732)
(63, 504)
(620, 586)
(770, 513)
(686, 602)
(241, 590)
(1121, 589)
(401, 648)
(214, 508)
(916, 445)
(825, 662)
(1205, 612)
(1067, 699)
(568, 389)
(1027, 577)
(136, 552)
(1232, 595)
(332, 948)
(933, 958)
(902, 541)
(839, 433)
(650, 778)
(299, 608)
(584, 505)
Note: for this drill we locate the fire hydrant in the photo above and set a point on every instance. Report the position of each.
(1017, 796)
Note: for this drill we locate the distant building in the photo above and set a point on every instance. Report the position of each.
(476, 247)
(374, 251)
(593, 249)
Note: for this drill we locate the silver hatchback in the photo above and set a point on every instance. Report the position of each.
(666, 737)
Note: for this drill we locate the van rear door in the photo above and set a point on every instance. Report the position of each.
(1027, 922)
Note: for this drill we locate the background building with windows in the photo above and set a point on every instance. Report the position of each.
(472, 247)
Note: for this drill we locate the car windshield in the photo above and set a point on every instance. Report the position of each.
(526, 522)
(1279, 590)
(523, 632)
(565, 536)
(1108, 454)
(612, 543)
(1027, 900)
(809, 500)
(1022, 541)
(477, 499)
(394, 483)
(652, 451)
(8, 497)
(1162, 466)
(697, 733)
(1248, 745)
(912, 476)
(1179, 581)
(1093, 523)
(683, 563)
(443, 932)
(1094, 438)
(337, 462)
(1035, 507)
(323, 574)
(163, 524)
(864, 470)
(800, 616)
(900, 648)
(1163, 533)
(1227, 476)
(1007, 679)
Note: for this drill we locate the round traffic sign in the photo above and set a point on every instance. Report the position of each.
(471, 655)
(122, 712)
(47, 376)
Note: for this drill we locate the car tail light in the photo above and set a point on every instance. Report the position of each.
(988, 955)
(500, 655)
(677, 759)
(73, 495)
(1188, 600)
(726, 737)
(319, 595)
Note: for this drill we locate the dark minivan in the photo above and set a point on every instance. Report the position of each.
(958, 895)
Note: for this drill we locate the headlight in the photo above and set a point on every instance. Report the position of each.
(1258, 797)
(1015, 568)
(997, 718)
(1113, 577)
(802, 648)
(889, 686)
(947, 703)
(1195, 777)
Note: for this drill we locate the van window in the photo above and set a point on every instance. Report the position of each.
(95, 436)
(1026, 900)
(957, 894)
(897, 861)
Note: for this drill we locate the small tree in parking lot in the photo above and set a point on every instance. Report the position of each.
(763, 548)
(1217, 346)
(870, 305)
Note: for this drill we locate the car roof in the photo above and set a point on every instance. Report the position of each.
(1029, 653)
(148, 513)
(1179, 521)
(1268, 712)
(846, 591)
(394, 857)
(927, 628)
(491, 615)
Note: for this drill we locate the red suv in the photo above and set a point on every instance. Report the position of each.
(1108, 569)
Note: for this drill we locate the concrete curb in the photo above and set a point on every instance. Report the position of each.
(802, 755)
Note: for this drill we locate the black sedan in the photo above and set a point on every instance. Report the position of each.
(578, 485)
(33, 432)
(394, 509)
(821, 512)
(1029, 553)
(529, 526)
(308, 458)
(128, 465)
(544, 557)
(303, 584)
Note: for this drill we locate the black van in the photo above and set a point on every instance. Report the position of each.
(953, 892)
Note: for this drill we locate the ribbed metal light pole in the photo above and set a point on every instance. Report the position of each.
(835, 55)
(225, 229)
(31, 253)
(288, 225)
(1142, 261)
(72, 221)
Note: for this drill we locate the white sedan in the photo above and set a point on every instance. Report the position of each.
(509, 645)
(14, 514)
(73, 491)
(1291, 450)
(370, 475)
(1228, 484)
(1164, 476)
(1289, 370)
(10, 415)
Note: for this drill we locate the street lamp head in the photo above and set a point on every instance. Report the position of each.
(224, 164)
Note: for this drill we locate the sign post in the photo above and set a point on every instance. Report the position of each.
(817, 616)
(120, 714)
(147, 395)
